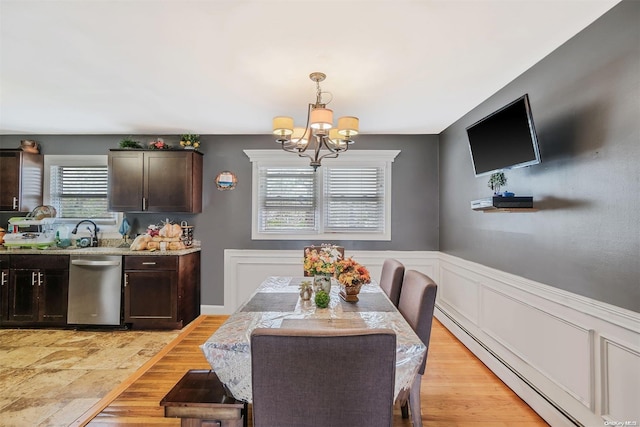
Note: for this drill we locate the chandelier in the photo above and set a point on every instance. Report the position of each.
(319, 132)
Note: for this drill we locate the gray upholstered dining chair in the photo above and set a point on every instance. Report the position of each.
(417, 302)
(328, 377)
(391, 279)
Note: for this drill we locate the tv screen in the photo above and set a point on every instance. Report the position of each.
(504, 139)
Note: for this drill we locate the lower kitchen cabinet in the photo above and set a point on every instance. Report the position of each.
(35, 290)
(4, 284)
(161, 291)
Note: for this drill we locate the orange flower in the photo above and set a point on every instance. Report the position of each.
(321, 262)
(350, 273)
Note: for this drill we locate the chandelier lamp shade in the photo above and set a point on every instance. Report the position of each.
(319, 138)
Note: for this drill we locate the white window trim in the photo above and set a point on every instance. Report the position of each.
(107, 231)
(350, 158)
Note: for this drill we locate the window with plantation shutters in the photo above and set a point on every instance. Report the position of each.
(348, 198)
(80, 191)
(354, 199)
(76, 185)
(287, 198)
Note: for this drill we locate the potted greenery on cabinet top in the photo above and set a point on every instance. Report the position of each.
(190, 141)
(129, 142)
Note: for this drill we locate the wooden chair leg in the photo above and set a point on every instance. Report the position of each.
(405, 410)
(414, 402)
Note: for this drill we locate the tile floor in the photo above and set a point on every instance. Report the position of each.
(51, 377)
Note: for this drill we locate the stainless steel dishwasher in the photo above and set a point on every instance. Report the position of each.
(95, 290)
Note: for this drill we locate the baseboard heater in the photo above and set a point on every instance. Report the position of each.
(512, 369)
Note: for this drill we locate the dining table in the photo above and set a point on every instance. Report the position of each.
(276, 303)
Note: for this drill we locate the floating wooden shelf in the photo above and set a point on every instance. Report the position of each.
(509, 210)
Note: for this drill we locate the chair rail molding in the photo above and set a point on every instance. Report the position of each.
(574, 360)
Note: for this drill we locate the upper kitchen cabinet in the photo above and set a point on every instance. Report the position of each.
(21, 176)
(155, 181)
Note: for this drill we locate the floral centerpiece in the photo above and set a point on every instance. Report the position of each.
(351, 276)
(321, 264)
(321, 261)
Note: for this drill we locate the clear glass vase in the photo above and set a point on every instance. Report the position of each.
(322, 281)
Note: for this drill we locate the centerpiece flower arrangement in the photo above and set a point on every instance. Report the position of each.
(322, 261)
(321, 264)
(351, 275)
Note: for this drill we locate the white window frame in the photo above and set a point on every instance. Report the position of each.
(108, 228)
(280, 158)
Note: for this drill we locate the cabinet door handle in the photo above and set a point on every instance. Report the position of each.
(39, 279)
(15, 203)
(33, 278)
(4, 279)
(126, 280)
(148, 263)
(144, 203)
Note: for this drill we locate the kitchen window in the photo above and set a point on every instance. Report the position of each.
(77, 187)
(348, 198)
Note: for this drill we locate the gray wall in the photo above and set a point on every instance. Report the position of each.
(225, 222)
(585, 98)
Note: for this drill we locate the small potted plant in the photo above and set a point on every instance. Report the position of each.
(190, 141)
(129, 142)
(497, 180)
(306, 290)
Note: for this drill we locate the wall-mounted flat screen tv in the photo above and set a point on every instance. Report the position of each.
(505, 139)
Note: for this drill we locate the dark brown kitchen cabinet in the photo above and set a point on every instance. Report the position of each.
(4, 284)
(21, 176)
(161, 292)
(155, 181)
(37, 291)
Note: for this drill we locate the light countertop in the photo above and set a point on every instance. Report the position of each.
(101, 250)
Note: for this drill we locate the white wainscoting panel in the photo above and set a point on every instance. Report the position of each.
(244, 270)
(461, 293)
(621, 366)
(555, 349)
(574, 360)
(563, 355)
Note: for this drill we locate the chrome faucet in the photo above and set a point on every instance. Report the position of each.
(94, 234)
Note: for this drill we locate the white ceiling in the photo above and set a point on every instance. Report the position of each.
(230, 66)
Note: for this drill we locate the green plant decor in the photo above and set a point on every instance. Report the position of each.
(322, 299)
(497, 180)
(129, 142)
(190, 140)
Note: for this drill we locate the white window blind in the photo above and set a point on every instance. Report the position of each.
(287, 200)
(354, 199)
(80, 192)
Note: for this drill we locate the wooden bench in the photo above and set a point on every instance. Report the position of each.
(200, 400)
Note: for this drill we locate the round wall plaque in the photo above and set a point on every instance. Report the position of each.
(226, 180)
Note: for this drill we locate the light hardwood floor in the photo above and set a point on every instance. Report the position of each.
(457, 389)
